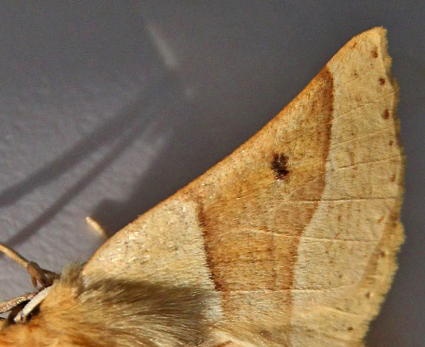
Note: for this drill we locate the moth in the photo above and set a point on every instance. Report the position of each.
(289, 241)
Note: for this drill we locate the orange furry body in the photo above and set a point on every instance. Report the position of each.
(109, 314)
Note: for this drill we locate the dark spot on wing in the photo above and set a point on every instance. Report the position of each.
(375, 53)
(386, 114)
(382, 81)
(279, 166)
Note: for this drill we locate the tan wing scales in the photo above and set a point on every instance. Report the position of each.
(297, 230)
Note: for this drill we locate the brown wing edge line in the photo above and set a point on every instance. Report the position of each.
(394, 235)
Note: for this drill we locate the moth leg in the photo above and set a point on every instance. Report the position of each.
(97, 227)
(38, 275)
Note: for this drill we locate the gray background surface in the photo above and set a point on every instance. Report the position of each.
(108, 107)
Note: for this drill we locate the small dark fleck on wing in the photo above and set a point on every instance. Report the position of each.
(279, 166)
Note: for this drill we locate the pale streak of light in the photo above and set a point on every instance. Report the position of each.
(166, 52)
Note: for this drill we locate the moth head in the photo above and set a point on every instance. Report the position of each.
(77, 310)
(24, 307)
(25, 324)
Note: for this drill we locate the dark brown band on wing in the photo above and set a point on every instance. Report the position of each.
(254, 205)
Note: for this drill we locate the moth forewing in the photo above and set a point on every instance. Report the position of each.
(289, 241)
